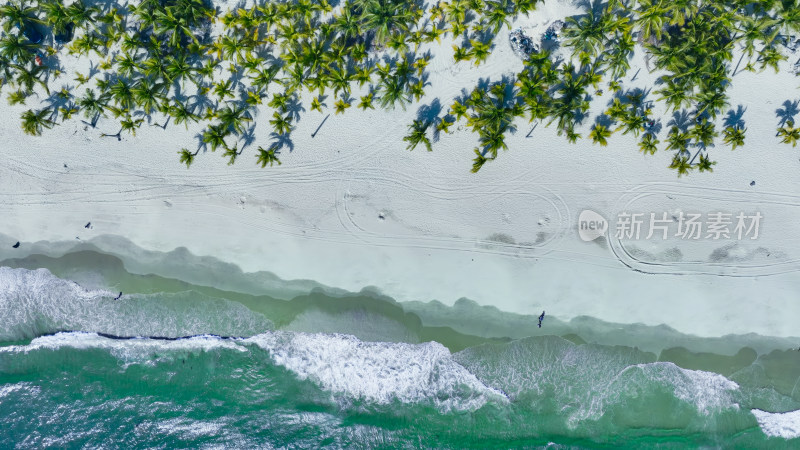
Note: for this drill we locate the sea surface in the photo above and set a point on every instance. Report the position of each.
(249, 361)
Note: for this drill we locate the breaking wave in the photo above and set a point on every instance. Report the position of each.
(35, 302)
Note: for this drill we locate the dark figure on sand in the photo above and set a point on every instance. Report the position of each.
(16, 245)
(119, 296)
(541, 318)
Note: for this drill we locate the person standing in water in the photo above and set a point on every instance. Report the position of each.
(541, 318)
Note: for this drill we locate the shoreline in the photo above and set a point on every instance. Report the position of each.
(105, 262)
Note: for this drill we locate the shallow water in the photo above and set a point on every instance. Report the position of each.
(179, 364)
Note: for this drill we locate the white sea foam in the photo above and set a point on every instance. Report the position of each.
(126, 350)
(708, 391)
(10, 388)
(352, 370)
(587, 380)
(378, 372)
(35, 302)
(785, 425)
(190, 429)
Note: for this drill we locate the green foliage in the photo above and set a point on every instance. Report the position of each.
(418, 135)
(265, 157)
(734, 136)
(187, 157)
(157, 57)
(600, 134)
(789, 134)
(34, 121)
(648, 144)
(681, 164)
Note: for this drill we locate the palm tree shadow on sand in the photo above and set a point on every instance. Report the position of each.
(788, 112)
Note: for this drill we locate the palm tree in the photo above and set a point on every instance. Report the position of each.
(215, 136)
(585, 34)
(265, 157)
(80, 14)
(234, 117)
(650, 18)
(497, 15)
(281, 124)
(263, 78)
(130, 124)
(127, 64)
(734, 136)
(458, 109)
(347, 24)
(279, 101)
(166, 24)
(231, 153)
(493, 141)
(679, 11)
(681, 164)
(28, 77)
(89, 42)
(393, 91)
(480, 50)
(17, 97)
(478, 162)
(92, 106)
(677, 139)
(705, 164)
(58, 17)
(600, 134)
(648, 144)
(712, 102)
(383, 17)
(418, 135)
(674, 94)
(148, 95)
(444, 125)
(340, 80)
(187, 157)
(224, 89)
(17, 15)
(704, 133)
(461, 54)
(632, 122)
(789, 134)
(122, 94)
(16, 48)
(771, 57)
(366, 102)
(182, 113)
(178, 68)
(316, 103)
(341, 105)
(34, 121)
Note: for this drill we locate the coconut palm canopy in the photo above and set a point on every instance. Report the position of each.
(190, 62)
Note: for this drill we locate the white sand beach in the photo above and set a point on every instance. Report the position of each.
(352, 208)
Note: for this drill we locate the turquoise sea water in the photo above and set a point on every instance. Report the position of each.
(181, 364)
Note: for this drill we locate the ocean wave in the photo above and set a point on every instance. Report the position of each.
(351, 370)
(785, 425)
(7, 389)
(35, 302)
(378, 372)
(128, 351)
(586, 382)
